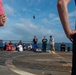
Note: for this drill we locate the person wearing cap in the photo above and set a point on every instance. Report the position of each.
(2, 15)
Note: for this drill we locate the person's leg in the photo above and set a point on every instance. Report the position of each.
(74, 56)
(64, 49)
(74, 63)
(34, 47)
(50, 47)
(44, 47)
(53, 48)
(1, 49)
(61, 48)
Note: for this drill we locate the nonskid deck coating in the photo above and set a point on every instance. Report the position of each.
(40, 63)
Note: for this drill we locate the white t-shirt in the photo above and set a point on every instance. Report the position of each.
(30, 46)
(51, 41)
(20, 48)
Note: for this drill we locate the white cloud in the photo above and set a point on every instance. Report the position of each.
(24, 9)
(9, 10)
(51, 15)
(33, 1)
(25, 30)
(72, 14)
(38, 10)
(52, 21)
(35, 10)
(56, 19)
(27, 0)
(28, 10)
(45, 21)
(72, 18)
(28, 29)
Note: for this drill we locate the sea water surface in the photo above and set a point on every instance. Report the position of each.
(57, 45)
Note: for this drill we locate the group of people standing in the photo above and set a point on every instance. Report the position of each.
(44, 43)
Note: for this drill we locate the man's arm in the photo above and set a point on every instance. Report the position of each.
(63, 13)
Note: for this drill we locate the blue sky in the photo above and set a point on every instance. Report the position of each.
(20, 24)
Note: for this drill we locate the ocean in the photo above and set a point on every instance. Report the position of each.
(57, 45)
